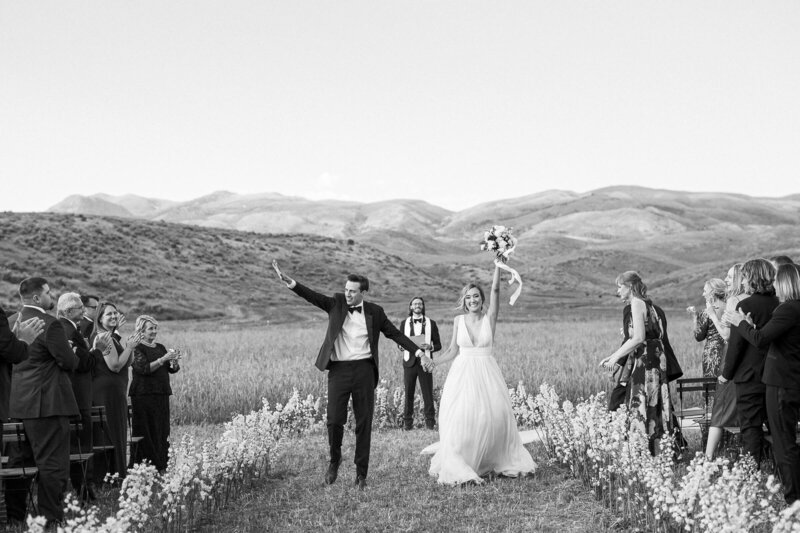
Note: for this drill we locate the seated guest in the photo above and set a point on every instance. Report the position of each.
(110, 387)
(41, 396)
(70, 310)
(150, 392)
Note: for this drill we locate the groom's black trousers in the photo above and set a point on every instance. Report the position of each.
(356, 379)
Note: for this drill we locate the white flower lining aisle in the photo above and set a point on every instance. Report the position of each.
(647, 493)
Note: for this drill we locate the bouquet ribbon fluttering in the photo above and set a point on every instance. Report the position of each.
(502, 243)
(514, 277)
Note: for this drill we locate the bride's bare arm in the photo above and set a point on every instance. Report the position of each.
(452, 351)
(494, 298)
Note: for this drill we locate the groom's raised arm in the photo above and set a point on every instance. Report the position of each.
(324, 302)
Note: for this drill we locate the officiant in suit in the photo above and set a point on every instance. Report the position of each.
(41, 396)
(350, 355)
(426, 333)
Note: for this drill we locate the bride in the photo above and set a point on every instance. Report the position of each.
(477, 430)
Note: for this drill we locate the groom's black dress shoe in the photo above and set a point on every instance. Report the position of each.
(361, 483)
(333, 472)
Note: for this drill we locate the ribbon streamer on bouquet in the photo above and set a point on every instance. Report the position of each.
(514, 275)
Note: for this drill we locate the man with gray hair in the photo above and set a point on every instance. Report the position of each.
(70, 310)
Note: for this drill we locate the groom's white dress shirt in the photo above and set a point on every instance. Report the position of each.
(352, 344)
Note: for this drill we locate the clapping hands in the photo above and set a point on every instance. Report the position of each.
(28, 330)
(734, 318)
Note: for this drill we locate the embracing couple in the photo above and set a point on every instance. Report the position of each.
(478, 433)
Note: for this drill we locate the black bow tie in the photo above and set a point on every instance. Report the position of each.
(356, 308)
(418, 320)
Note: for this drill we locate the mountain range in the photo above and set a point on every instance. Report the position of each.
(571, 245)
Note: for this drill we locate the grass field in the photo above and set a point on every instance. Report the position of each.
(229, 371)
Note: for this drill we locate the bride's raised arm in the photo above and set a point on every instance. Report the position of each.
(452, 351)
(494, 297)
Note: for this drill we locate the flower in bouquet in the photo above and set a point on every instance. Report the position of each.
(499, 240)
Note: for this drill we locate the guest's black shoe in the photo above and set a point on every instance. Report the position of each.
(430, 425)
(333, 472)
(361, 483)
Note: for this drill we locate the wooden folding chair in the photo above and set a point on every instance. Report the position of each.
(102, 443)
(82, 456)
(133, 440)
(700, 414)
(14, 435)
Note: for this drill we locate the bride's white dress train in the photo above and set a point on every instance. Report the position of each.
(477, 430)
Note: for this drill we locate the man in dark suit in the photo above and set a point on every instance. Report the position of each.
(744, 362)
(14, 341)
(70, 310)
(86, 324)
(418, 324)
(41, 396)
(350, 355)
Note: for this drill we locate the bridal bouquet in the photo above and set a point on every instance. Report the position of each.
(502, 243)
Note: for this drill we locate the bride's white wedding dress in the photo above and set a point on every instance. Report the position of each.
(477, 430)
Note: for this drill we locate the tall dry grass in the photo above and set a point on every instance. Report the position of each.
(229, 372)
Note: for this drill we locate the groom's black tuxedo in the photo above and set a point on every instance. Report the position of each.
(336, 307)
(351, 378)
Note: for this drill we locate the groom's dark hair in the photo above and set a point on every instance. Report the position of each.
(362, 280)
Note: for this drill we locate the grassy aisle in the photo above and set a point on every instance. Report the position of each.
(400, 495)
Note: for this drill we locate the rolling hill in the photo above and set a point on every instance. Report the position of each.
(572, 245)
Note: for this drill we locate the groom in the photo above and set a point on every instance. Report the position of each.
(350, 355)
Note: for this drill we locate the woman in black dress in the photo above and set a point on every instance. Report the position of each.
(110, 386)
(150, 392)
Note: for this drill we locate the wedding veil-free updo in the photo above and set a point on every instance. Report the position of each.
(716, 288)
(633, 280)
(461, 305)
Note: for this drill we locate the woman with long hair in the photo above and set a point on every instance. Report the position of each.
(781, 336)
(646, 365)
(723, 411)
(477, 429)
(110, 385)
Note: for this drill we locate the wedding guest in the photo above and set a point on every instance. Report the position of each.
(477, 430)
(421, 326)
(14, 342)
(150, 392)
(744, 362)
(781, 337)
(707, 325)
(724, 412)
(617, 396)
(645, 373)
(110, 385)
(86, 325)
(41, 396)
(70, 310)
(778, 260)
(350, 355)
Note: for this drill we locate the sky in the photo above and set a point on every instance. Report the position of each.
(455, 102)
